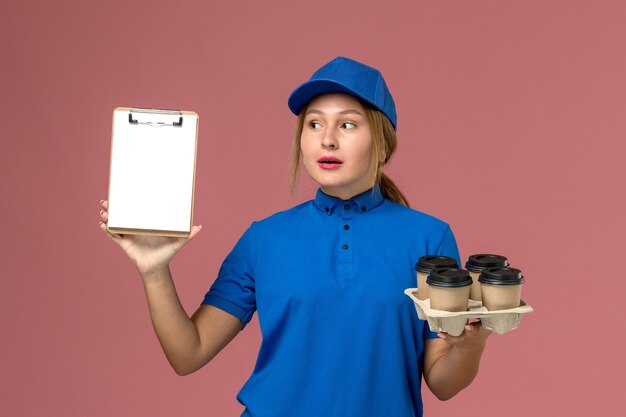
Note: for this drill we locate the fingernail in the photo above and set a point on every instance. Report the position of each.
(441, 335)
(101, 212)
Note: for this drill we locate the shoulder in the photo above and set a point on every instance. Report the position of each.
(282, 219)
(434, 236)
(266, 232)
(409, 217)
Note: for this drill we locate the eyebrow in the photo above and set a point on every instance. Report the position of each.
(349, 111)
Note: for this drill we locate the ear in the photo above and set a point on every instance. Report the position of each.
(382, 160)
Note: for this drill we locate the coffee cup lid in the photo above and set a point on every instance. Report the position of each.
(501, 276)
(428, 263)
(449, 278)
(476, 263)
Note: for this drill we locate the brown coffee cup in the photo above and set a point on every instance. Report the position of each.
(425, 266)
(476, 264)
(449, 289)
(501, 288)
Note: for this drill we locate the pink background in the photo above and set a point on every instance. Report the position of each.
(511, 126)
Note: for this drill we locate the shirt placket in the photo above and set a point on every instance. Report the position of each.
(346, 241)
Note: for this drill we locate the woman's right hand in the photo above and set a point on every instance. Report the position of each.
(148, 253)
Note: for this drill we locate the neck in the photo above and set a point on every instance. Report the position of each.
(345, 194)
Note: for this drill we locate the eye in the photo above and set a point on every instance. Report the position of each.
(348, 125)
(314, 125)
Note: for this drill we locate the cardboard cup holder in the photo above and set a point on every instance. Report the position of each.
(499, 321)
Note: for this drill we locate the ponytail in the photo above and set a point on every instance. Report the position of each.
(384, 144)
(391, 191)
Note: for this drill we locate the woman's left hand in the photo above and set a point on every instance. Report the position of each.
(474, 337)
(451, 362)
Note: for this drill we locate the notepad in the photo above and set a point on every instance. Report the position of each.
(152, 173)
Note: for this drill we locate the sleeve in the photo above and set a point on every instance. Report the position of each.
(428, 334)
(447, 247)
(234, 289)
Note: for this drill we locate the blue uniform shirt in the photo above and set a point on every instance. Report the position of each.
(340, 338)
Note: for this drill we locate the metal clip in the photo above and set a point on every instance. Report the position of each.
(156, 123)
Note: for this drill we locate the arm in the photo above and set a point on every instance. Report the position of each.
(188, 343)
(451, 363)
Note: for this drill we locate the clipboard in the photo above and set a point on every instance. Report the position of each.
(152, 172)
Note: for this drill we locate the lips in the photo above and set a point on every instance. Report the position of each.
(329, 162)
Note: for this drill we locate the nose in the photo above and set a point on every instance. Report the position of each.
(329, 141)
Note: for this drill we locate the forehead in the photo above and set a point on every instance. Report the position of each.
(335, 102)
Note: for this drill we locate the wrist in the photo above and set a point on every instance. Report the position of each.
(476, 347)
(155, 275)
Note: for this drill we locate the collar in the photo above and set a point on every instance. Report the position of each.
(364, 202)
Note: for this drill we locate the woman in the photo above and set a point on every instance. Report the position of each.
(326, 277)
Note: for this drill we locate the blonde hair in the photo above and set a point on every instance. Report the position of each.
(384, 143)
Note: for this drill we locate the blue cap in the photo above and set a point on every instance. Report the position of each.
(344, 75)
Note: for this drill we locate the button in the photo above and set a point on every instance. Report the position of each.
(363, 209)
(327, 209)
(346, 206)
(346, 227)
(345, 246)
